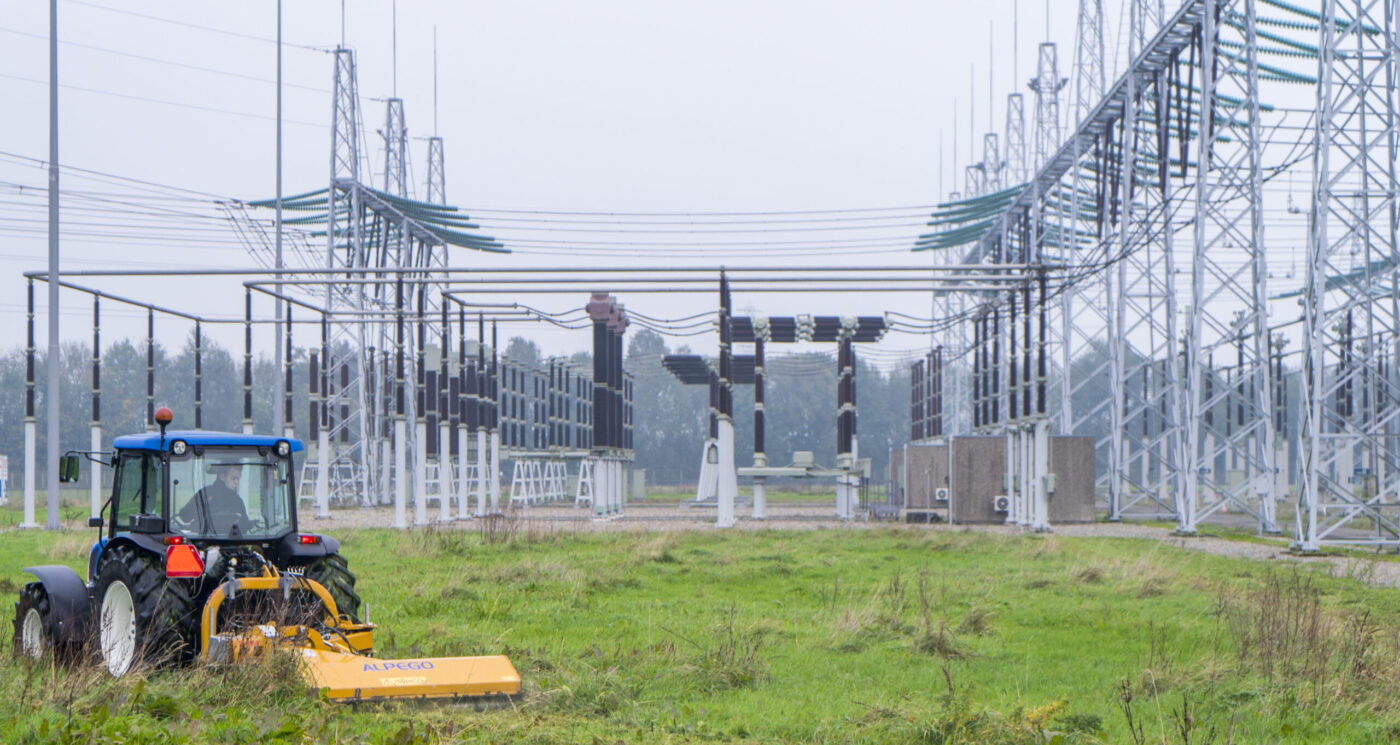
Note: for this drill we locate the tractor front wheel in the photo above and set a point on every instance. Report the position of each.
(333, 573)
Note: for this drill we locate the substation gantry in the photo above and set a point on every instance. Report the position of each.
(1167, 336)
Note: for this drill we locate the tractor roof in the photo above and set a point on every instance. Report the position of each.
(200, 438)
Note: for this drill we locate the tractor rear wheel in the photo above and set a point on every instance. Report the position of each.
(33, 638)
(333, 573)
(142, 616)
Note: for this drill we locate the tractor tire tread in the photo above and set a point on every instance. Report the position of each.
(32, 595)
(333, 572)
(167, 610)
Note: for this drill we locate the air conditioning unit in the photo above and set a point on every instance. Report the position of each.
(1001, 503)
(940, 494)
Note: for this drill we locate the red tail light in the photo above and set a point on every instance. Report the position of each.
(183, 560)
(307, 540)
(174, 540)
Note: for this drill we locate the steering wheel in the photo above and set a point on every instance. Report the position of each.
(223, 522)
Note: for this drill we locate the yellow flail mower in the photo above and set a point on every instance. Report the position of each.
(200, 561)
(336, 653)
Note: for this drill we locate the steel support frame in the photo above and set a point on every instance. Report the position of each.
(1350, 290)
(1229, 290)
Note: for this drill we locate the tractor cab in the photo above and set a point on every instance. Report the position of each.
(194, 496)
(203, 486)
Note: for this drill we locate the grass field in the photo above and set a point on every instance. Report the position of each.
(829, 636)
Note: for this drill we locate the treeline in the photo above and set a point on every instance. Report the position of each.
(670, 421)
(123, 393)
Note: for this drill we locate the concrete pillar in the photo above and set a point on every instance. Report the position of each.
(1014, 483)
(445, 476)
(96, 486)
(30, 458)
(482, 464)
(400, 472)
(323, 449)
(600, 487)
(1040, 515)
(495, 479)
(728, 485)
(420, 472)
(1026, 438)
(463, 485)
(760, 498)
(386, 473)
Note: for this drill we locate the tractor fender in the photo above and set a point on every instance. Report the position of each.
(292, 551)
(68, 602)
(148, 543)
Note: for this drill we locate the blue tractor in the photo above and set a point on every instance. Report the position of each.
(189, 511)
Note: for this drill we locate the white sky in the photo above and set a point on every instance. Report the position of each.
(608, 106)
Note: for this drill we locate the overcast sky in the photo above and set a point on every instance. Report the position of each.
(607, 106)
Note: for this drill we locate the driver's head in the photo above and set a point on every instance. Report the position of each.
(230, 477)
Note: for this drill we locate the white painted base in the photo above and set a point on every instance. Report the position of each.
(400, 473)
(30, 468)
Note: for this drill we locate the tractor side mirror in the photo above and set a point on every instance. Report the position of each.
(95, 522)
(68, 469)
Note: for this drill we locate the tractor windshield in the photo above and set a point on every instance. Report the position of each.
(232, 493)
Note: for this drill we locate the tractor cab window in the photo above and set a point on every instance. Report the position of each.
(137, 488)
(230, 493)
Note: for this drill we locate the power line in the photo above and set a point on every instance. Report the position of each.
(148, 99)
(176, 63)
(210, 29)
(96, 175)
(918, 208)
(836, 216)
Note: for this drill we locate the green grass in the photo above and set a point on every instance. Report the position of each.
(72, 506)
(828, 636)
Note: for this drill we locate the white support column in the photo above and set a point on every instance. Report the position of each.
(1011, 478)
(495, 471)
(445, 486)
(601, 479)
(728, 486)
(708, 485)
(420, 472)
(1029, 476)
(853, 480)
(1040, 510)
(323, 448)
(30, 466)
(386, 473)
(400, 472)
(622, 486)
(760, 498)
(610, 500)
(463, 495)
(96, 496)
(483, 464)
(615, 502)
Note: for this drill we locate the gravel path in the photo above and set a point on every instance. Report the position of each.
(670, 517)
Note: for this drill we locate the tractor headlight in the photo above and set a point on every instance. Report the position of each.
(178, 447)
(284, 448)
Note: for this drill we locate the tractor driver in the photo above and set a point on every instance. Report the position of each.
(219, 503)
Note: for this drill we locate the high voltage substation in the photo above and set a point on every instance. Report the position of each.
(1196, 262)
